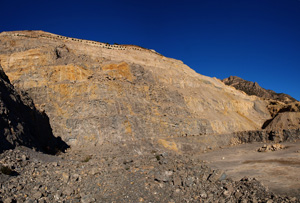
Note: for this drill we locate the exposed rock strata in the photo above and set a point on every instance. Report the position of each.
(95, 93)
(265, 136)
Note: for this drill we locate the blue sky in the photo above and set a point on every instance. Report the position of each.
(258, 40)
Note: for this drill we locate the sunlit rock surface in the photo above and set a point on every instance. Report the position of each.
(95, 93)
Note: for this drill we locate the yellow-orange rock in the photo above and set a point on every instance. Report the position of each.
(94, 92)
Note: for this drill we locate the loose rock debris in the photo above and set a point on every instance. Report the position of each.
(122, 176)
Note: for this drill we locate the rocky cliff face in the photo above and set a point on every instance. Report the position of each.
(95, 93)
(21, 123)
(277, 102)
(253, 88)
(283, 108)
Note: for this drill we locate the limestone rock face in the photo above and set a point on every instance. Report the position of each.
(95, 92)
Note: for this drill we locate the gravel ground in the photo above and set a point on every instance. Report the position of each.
(277, 166)
(121, 174)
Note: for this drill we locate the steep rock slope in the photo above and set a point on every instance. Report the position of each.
(21, 123)
(95, 92)
(283, 108)
(286, 120)
(277, 102)
(253, 88)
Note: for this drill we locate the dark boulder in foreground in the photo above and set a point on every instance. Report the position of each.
(21, 123)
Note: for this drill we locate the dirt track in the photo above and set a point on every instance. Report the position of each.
(278, 170)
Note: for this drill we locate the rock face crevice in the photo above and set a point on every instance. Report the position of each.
(22, 124)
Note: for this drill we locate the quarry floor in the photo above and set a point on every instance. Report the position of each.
(277, 170)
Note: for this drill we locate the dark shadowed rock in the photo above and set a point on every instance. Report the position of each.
(21, 123)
